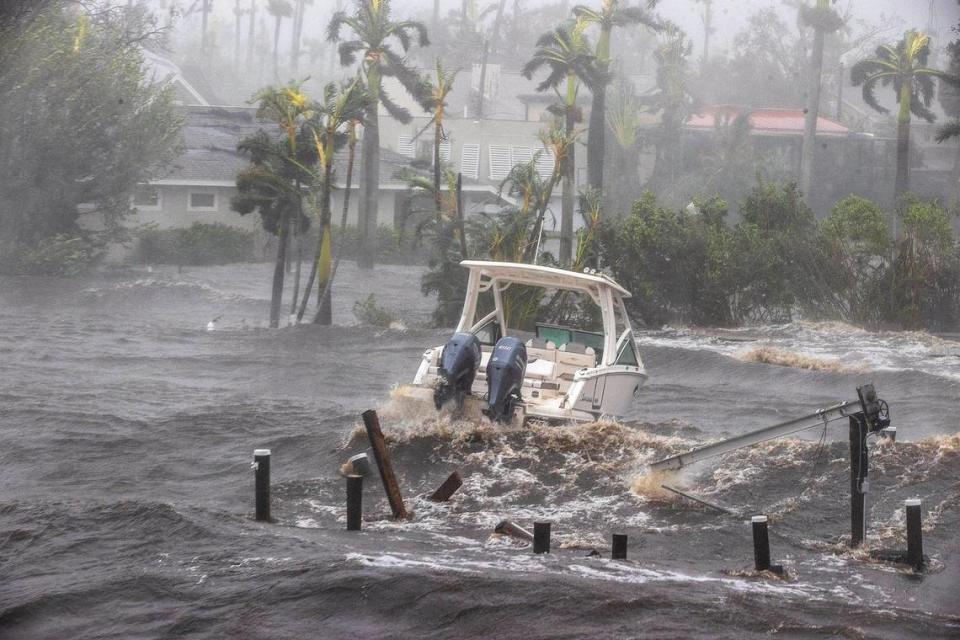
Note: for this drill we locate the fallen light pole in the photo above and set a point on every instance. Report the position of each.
(867, 415)
(261, 467)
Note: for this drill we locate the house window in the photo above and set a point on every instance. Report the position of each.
(202, 201)
(147, 198)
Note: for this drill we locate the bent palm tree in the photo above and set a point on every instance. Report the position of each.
(373, 33)
(340, 106)
(611, 14)
(279, 9)
(904, 67)
(565, 52)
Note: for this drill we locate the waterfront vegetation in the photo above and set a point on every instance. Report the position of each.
(715, 235)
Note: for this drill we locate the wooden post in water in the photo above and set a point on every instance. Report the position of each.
(382, 456)
(507, 528)
(448, 488)
(541, 537)
(858, 478)
(619, 550)
(761, 543)
(261, 466)
(914, 534)
(354, 502)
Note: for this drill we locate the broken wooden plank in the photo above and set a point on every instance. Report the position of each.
(698, 500)
(448, 488)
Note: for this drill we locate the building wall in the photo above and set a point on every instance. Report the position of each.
(174, 210)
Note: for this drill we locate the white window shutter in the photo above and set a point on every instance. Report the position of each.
(545, 164)
(520, 155)
(444, 152)
(405, 146)
(499, 161)
(470, 160)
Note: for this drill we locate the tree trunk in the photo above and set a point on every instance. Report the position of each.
(902, 182)
(326, 295)
(596, 137)
(205, 9)
(813, 111)
(299, 11)
(569, 177)
(369, 187)
(250, 34)
(437, 196)
(236, 35)
(460, 225)
(495, 35)
(276, 50)
(276, 296)
(298, 233)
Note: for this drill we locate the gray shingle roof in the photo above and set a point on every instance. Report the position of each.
(211, 135)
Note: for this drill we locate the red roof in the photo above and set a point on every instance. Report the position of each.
(765, 121)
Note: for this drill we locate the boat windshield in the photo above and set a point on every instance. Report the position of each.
(560, 318)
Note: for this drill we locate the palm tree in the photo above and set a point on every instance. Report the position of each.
(674, 101)
(373, 32)
(904, 67)
(279, 9)
(438, 100)
(611, 14)
(824, 20)
(271, 184)
(299, 11)
(340, 107)
(565, 52)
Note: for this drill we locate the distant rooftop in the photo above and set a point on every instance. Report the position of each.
(765, 121)
(211, 135)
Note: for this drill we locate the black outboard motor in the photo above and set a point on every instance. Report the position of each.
(505, 370)
(458, 367)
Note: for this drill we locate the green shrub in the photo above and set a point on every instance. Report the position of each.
(198, 244)
(369, 312)
(61, 255)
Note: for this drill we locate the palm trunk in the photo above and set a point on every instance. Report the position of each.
(276, 50)
(902, 182)
(460, 225)
(569, 175)
(298, 233)
(596, 137)
(250, 34)
(369, 188)
(813, 111)
(495, 35)
(276, 296)
(437, 130)
(236, 35)
(298, 14)
(326, 295)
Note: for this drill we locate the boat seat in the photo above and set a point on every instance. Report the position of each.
(540, 343)
(576, 347)
(539, 368)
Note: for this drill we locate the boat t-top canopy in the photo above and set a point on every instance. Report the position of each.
(540, 275)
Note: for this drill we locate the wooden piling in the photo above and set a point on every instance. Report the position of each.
(914, 534)
(261, 466)
(448, 488)
(761, 543)
(619, 550)
(541, 537)
(354, 502)
(382, 456)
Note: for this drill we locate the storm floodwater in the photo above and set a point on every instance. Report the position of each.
(127, 495)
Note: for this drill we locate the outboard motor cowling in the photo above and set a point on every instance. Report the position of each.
(505, 371)
(458, 367)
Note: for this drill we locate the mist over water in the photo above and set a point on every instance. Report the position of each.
(128, 433)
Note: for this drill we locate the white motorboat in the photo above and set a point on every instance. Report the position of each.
(535, 342)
